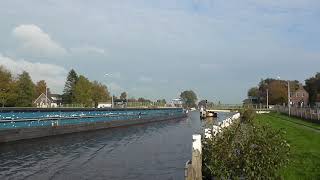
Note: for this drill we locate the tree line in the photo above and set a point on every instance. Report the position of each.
(18, 91)
(21, 91)
(278, 90)
(80, 90)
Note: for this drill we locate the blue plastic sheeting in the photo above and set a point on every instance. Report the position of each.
(12, 120)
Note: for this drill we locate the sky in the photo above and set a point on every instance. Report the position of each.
(158, 48)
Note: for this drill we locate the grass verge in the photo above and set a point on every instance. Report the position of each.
(304, 140)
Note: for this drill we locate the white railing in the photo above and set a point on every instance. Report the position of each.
(193, 167)
(208, 133)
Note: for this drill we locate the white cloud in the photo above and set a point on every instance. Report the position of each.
(145, 79)
(36, 42)
(116, 75)
(288, 4)
(54, 75)
(115, 88)
(210, 66)
(88, 50)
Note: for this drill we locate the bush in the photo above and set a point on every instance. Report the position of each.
(245, 150)
(247, 115)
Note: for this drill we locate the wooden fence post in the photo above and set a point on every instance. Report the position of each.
(310, 117)
(197, 157)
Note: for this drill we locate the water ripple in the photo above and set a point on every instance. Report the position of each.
(150, 151)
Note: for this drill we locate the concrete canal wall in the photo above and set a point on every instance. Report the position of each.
(15, 134)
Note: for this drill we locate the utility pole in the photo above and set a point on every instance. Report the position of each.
(46, 97)
(111, 101)
(289, 105)
(267, 98)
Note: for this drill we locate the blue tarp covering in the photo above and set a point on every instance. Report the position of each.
(11, 120)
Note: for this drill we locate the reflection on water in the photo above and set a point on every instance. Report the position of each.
(156, 150)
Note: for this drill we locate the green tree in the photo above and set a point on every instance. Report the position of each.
(100, 93)
(69, 87)
(25, 90)
(253, 92)
(313, 88)
(162, 101)
(189, 98)
(83, 92)
(12, 94)
(278, 92)
(41, 88)
(123, 95)
(141, 99)
(5, 84)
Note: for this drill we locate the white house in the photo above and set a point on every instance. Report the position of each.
(104, 105)
(177, 102)
(53, 100)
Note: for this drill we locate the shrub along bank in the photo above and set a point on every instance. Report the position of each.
(246, 149)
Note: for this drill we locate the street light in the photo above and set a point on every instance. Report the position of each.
(46, 97)
(289, 102)
(267, 98)
(109, 75)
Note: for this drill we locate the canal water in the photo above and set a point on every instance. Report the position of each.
(149, 151)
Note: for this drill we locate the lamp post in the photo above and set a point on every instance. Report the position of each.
(106, 75)
(289, 103)
(267, 98)
(46, 97)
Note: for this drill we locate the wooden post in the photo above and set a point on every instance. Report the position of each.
(196, 157)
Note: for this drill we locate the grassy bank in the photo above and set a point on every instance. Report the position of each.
(304, 140)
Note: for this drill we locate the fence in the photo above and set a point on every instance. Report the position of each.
(146, 104)
(304, 113)
(240, 106)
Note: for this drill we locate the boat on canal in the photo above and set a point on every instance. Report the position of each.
(204, 113)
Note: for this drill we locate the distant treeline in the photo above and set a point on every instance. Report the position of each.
(22, 91)
(278, 90)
